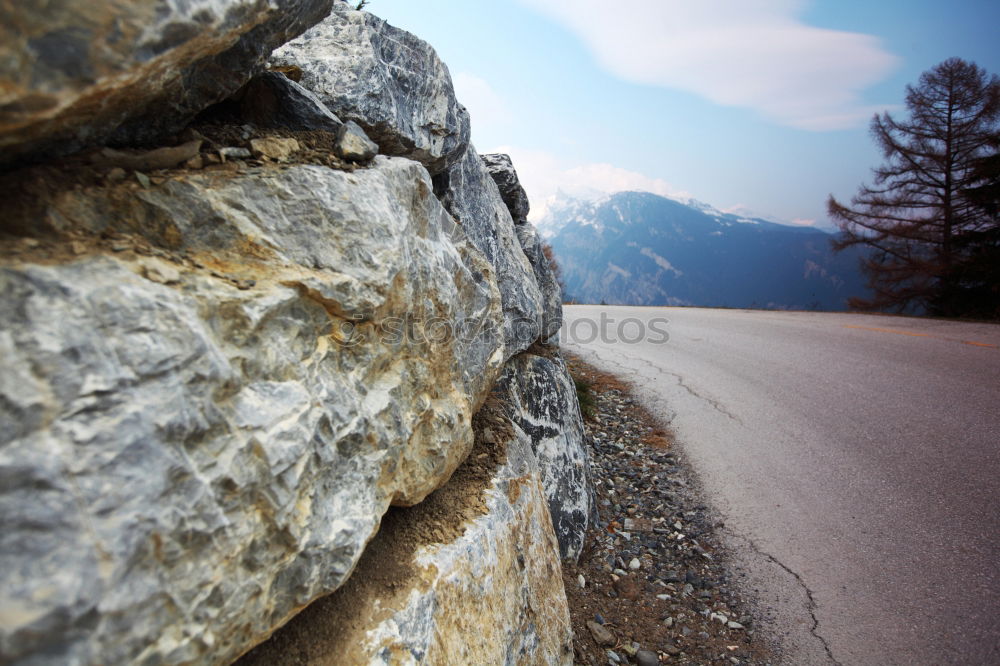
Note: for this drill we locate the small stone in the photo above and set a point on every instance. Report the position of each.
(581, 581)
(116, 175)
(77, 247)
(245, 284)
(634, 564)
(613, 656)
(234, 152)
(353, 144)
(672, 650)
(627, 588)
(602, 636)
(663, 597)
(630, 650)
(669, 622)
(277, 149)
(143, 179)
(732, 624)
(646, 658)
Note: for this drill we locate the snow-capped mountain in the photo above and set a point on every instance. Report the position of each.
(638, 248)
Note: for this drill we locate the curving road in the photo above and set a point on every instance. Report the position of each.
(854, 459)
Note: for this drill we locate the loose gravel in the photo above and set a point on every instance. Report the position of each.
(652, 585)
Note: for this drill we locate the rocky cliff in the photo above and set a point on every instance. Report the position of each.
(261, 296)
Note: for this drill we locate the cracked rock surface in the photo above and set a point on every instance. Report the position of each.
(542, 402)
(203, 426)
(66, 84)
(388, 81)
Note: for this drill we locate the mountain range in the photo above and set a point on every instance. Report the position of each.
(638, 248)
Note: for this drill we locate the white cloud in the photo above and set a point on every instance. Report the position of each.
(543, 175)
(484, 104)
(755, 54)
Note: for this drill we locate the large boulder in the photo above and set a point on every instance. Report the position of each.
(495, 594)
(387, 81)
(212, 394)
(74, 74)
(545, 278)
(541, 399)
(272, 100)
(502, 171)
(470, 576)
(468, 192)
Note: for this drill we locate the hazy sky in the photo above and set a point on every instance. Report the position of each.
(762, 105)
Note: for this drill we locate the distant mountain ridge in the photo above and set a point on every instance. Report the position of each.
(638, 248)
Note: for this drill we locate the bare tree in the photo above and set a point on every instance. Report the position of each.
(920, 218)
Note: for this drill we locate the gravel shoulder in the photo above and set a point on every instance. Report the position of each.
(655, 583)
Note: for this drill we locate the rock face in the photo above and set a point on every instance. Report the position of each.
(219, 377)
(471, 196)
(79, 74)
(502, 171)
(470, 576)
(271, 99)
(188, 465)
(543, 404)
(387, 81)
(504, 556)
(549, 287)
(514, 197)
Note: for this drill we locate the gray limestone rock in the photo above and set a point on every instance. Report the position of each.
(386, 80)
(79, 74)
(271, 99)
(542, 399)
(353, 144)
(472, 576)
(470, 195)
(185, 466)
(502, 171)
(551, 291)
(514, 197)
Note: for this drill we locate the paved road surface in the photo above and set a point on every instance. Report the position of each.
(855, 460)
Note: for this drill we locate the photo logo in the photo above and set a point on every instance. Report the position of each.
(604, 330)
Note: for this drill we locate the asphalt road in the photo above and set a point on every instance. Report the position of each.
(854, 459)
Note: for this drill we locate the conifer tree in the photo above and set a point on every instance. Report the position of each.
(924, 219)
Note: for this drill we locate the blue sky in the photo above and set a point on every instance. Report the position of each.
(759, 105)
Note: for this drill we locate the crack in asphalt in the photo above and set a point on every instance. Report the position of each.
(812, 607)
(680, 381)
